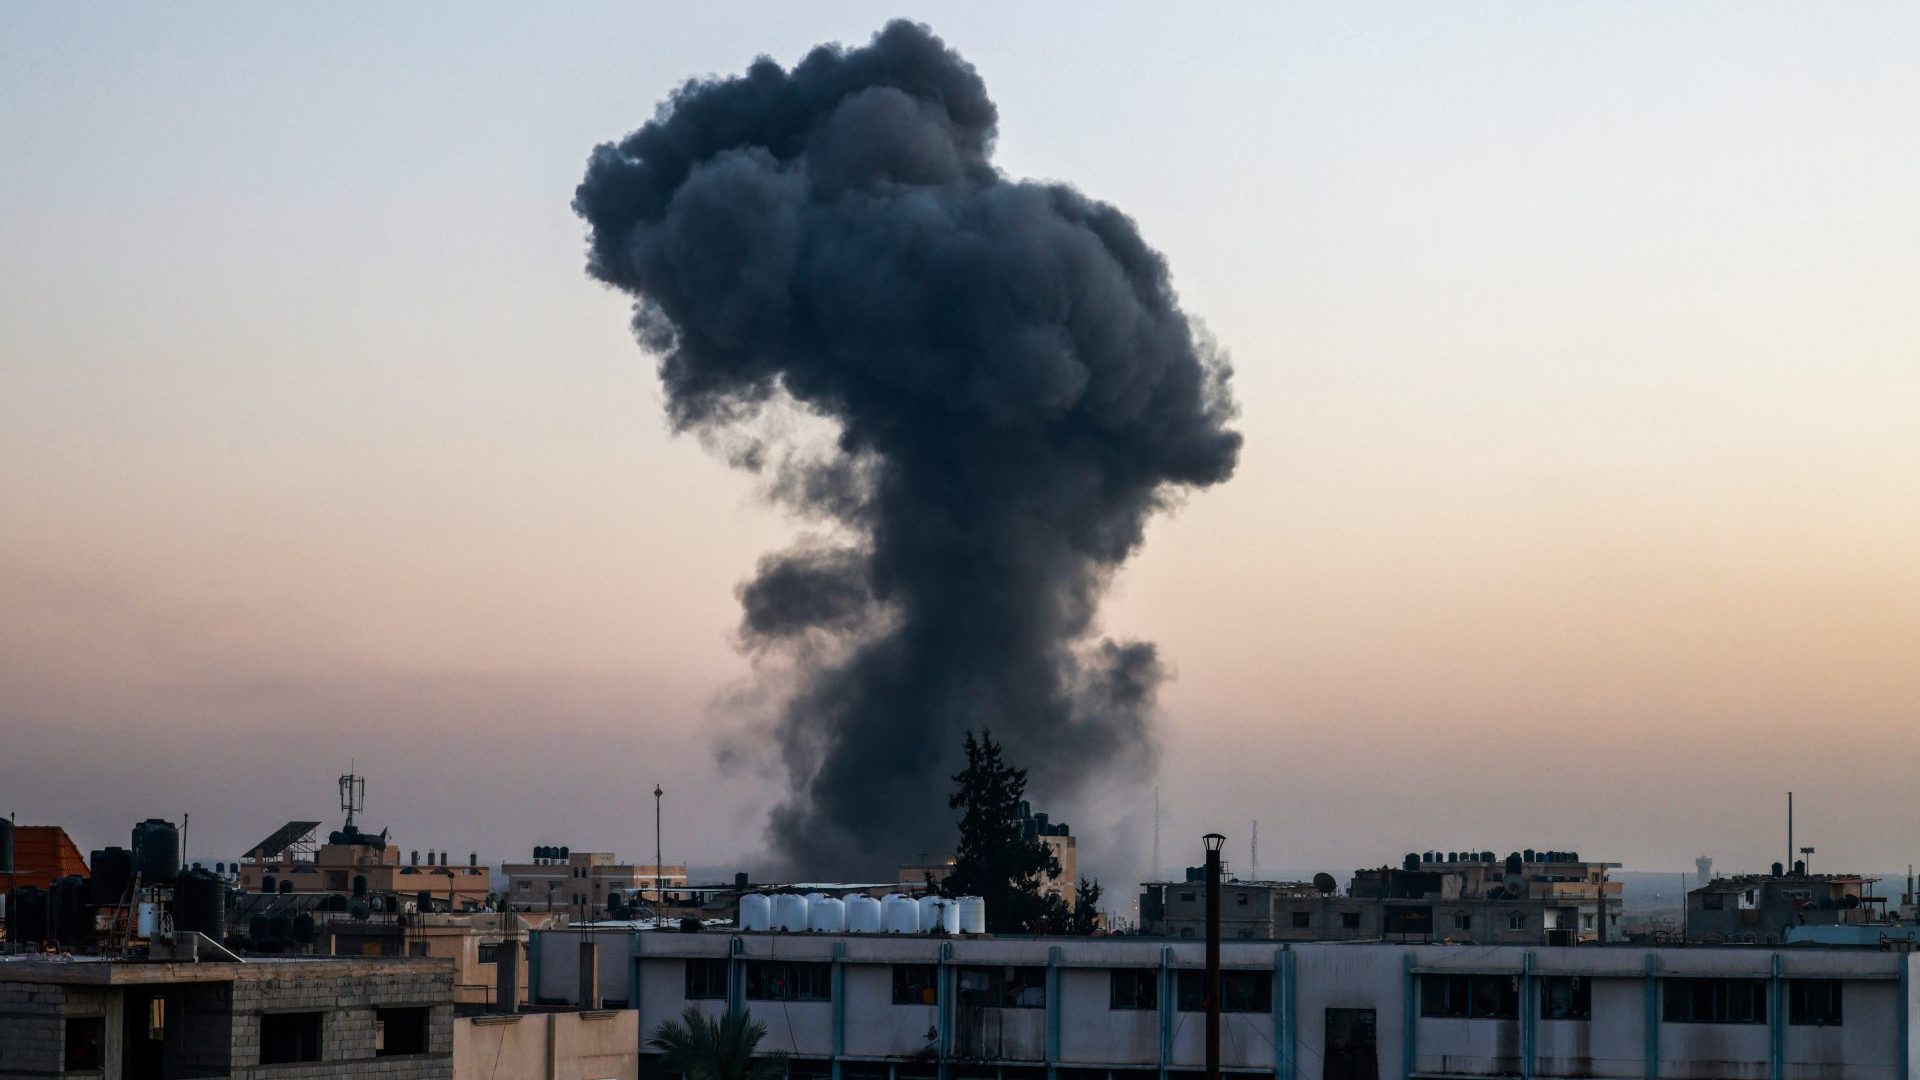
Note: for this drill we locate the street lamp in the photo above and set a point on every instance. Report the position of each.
(1210, 994)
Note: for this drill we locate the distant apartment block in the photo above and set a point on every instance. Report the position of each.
(581, 883)
(1544, 897)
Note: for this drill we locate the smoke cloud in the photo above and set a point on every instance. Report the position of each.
(1013, 390)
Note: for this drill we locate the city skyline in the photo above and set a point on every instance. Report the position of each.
(1574, 352)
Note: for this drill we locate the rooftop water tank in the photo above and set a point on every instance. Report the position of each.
(156, 851)
(112, 873)
(863, 915)
(973, 915)
(932, 912)
(6, 846)
(200, 904)
(27, 915)
(790, 912)
(900, 915)
(827, 915)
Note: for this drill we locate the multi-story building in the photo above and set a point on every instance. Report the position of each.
(1762, 908)
(1055, 836)
(580, 883)
(1543, 897)
(884, 1007)
(266, 1017)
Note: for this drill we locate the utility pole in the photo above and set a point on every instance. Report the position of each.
(1253, 853)
(1156, 832)
(1210, 993)
(659, 875)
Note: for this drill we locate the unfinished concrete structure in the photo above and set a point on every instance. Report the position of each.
(287, 1018)
(1762, 908)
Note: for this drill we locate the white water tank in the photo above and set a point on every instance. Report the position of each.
(900, 915)
(147, 920)
(790, 912)
(827, 915)
(950, 916)
(863, 915)
(973, 915)
(756, 912)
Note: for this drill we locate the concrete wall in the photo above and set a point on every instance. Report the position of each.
(600, 1045)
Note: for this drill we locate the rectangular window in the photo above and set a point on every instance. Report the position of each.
(417, 948)
(286, 1038)
(706, 980)
(916, 984)
(1302, 920)
(1135, 988)
(1566, 997)
(1349, 920)
(1713, 902)
(1715, 1001)
(1003, 987)
(489, 954)
(1462, 921)
(400, 1031)
(86, 1042)
(1186, 897)
(1813, 1002)
(1240, 991)
(1240, 898)
(1478, 997)
(783, 980)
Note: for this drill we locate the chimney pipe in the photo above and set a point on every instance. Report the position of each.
(1210, 992)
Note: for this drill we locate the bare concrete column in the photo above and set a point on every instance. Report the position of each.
(506, 977)
(589, 973)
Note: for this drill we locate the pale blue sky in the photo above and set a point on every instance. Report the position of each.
(1577, 348)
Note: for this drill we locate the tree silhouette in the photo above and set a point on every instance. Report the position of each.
(995, 860)
(702, 1049)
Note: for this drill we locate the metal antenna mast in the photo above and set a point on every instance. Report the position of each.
(1253, 853)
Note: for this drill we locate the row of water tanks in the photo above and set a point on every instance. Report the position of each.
(857, 913)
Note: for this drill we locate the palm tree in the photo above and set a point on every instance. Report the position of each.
(702, 1049)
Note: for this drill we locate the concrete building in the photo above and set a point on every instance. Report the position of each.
(581, 882)
(1056, 836)
(359, 864)
(600, 1044)
(1761, 908)
(284, 1018)
(879, 1007)
(1531, 898)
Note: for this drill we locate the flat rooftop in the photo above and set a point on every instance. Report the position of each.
(98, 971)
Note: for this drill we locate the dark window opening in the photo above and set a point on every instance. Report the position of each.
(1003, 987)
(1186, 897)
(916, 984)
(1566, 997)
(286, 1038)
(400, 1031)
(489, 954)
(1135, 988)
(706, 980)
(86, 1039)
(1813, 1002)
(1713, 902)
(782, 980)
(1240, 991)
(1715, 1001)
(1302, 920)
(1477, 997)
(1349, 920)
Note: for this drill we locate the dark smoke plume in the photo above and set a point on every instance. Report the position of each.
(1013, 389)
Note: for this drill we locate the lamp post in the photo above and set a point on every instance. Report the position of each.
(659, 889)
(1210, 992)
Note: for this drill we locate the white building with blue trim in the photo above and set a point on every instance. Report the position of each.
(881, 1007)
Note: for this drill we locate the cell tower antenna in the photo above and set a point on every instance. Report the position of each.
(353, 795)
(1253, 852)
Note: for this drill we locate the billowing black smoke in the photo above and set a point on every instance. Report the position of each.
(1014, 390)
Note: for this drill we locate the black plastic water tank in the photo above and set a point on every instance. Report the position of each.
(259, 928)
(200, 904)
(27, 915)
(303, 928)
(282, 926)
(112, 873)
(156, 851)
(70, 912)
(6, 845)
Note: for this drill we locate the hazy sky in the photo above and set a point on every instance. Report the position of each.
(1578, 347)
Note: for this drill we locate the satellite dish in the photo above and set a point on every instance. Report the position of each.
(1324, 882)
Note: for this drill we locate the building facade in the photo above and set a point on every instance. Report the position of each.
(580, 883)
(1540, 898)
(1761, 909)
(290, 1019)
(361, 865)
(877, 1007)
